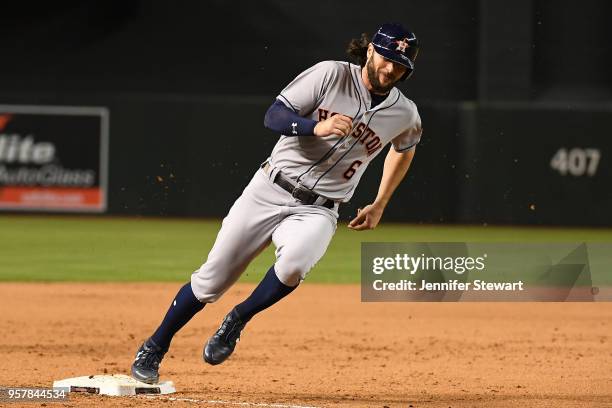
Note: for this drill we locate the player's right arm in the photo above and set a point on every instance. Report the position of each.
(279, 118)
(289, 114)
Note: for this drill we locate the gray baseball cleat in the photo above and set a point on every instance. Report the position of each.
(221, 345)
(146, 364)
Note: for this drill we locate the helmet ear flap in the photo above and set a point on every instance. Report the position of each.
(413, 51)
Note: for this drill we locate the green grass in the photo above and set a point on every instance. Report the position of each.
(64, 248)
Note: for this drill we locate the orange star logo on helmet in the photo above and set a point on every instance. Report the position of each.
(402, 45)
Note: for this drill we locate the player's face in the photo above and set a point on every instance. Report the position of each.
(383, 74)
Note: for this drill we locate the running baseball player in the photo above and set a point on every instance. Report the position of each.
(334, 119)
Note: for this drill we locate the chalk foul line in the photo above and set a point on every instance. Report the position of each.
(219, 402)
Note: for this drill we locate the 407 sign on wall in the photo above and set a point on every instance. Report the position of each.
(53, 158)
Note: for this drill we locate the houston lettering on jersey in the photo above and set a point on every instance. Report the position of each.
(366, 136)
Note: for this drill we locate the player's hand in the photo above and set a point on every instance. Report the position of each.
(367, 218)
(340, 125)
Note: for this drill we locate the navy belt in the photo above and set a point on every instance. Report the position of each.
(305, 196)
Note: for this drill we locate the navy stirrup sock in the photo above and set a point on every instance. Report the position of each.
(269, 291)
(184, 306)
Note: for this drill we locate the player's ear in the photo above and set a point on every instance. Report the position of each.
(370, 50)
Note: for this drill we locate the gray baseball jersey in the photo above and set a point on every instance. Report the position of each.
(333, 165)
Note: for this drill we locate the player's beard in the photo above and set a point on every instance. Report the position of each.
(377, 87)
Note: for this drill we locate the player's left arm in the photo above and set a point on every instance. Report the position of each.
(395, 169)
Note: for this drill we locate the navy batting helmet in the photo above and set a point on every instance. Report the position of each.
(398, 44)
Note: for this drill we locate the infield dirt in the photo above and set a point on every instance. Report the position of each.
(320, 347)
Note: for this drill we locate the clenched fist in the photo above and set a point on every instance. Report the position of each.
(334, 125)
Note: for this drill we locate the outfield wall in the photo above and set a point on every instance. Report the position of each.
(488, 163)
(536, 164)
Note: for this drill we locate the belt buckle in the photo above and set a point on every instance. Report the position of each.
(295, 193)
(301, 195)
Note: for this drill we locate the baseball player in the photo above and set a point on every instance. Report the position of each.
(334, 119)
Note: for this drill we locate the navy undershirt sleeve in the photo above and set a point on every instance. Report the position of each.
(281, 119)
